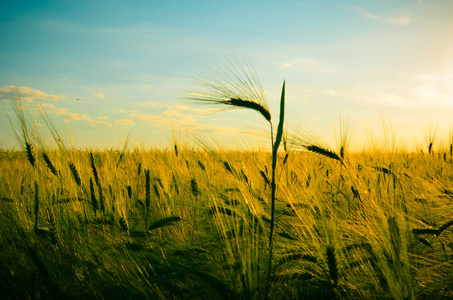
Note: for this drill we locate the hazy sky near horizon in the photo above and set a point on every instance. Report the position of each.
(103, 68)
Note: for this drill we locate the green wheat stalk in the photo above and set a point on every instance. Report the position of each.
(239, 88)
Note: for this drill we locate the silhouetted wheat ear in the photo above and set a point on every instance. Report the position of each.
(49, 163)
(236, 86)
(95, 171)
(54, 233)
(434, 231)
(323, 151)
(194, 187)
(30, 154)
(227, 167)
(332, 264)
(164, 222)
(263, 110)
(384, 170)
(266, 180)
(244, 176)
(129, 191)
(123, 223)
(156, 190)
(202, 166)
(75, 174)
(139, 170)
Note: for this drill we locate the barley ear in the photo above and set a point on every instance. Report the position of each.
(49, 163)
(54, 233)
(75, 174)
(164, 222)
(323, 151)
(123, 224)
(30, 153)
(332, 264)
(194, 187)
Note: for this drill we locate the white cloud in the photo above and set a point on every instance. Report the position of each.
(53, 109)
(400, 21)
(173, 118)
(26, 94)
(64, 112)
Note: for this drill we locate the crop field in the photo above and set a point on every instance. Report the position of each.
(300, 222)
(195, 224)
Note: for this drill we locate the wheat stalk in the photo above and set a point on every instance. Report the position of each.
(238, 87)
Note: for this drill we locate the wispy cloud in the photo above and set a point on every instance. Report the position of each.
(26, 94)
(201, 111)
(400, 21)
(68, 116)
(307, 65)
(124, 122)
(421, 96)
(185, 117)
(167, 119)
(100, 96)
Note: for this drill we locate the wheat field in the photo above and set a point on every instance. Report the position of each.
(195, 224)
(302, 221)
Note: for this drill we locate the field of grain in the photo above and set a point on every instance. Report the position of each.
(195, 224)
(302, 221)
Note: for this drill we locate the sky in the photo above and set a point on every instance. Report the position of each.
(104, 69)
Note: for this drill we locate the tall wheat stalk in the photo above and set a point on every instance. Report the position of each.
(237, 86)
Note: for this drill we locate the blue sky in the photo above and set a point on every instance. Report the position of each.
(129, 63)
